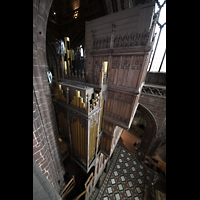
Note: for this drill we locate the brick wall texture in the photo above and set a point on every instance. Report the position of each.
(157, 106)
(46, 152)
(155, 115)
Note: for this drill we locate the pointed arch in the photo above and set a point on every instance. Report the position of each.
(150, 130)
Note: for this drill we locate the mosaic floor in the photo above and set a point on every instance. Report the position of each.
(125, 179)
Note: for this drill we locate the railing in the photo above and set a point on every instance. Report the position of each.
(74, 76)
(93, 77)
(70, 185)
(89, 184)
(154, 90)
(80, 195)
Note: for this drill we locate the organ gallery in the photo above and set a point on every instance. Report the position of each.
(94, 97)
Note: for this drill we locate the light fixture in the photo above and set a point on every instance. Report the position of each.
(54, 13)
(76, 14)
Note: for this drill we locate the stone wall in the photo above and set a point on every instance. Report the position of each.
(157, 105)
(46, 152)
(156, 108)
(157, 78)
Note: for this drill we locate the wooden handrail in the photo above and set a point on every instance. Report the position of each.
(70, 185)
(86, 183)
(81, 194)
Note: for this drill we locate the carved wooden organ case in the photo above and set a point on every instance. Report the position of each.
(125, 41)
(93, 110)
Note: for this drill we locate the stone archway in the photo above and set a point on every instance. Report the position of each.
(150, 131)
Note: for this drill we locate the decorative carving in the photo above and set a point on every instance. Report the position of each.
(128, 100)
(125, 120)
(115, 116)
(118, 97)
(83, 122)
(73, 116)
(116, 62)
(138, 63)
(126, 62)
(94, 118)
(72, 76)
(154, 91)
(113, 27)
(97, 62)
(59, 109)
(131, 40)
(108, 113)
(96, 81)
(101, 43)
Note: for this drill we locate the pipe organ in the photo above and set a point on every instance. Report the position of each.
(81, 106)
(102, 100)
(78, 133)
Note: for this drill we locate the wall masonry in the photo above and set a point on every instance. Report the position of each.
(46, 149)
(157, 105)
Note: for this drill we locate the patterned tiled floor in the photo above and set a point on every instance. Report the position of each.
(125, 178)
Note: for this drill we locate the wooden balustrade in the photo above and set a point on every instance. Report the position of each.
(70, 185)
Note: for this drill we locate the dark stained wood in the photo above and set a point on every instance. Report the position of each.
(128, 33)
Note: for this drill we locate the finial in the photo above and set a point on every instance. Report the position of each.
(93, 31)
(113, 27)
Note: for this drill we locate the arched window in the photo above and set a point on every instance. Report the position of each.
(158, 58)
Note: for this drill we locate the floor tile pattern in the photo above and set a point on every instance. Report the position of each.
(125, 179)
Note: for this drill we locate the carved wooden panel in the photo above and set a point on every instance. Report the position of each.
(118, 106)
(106, 142)
(114, 69)
(124, 70)
(97, 64)
(131, 39)
(134, 71)
(108, 126)
(101, 43)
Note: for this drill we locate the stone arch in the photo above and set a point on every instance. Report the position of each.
(150, 130)
(152, 126)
